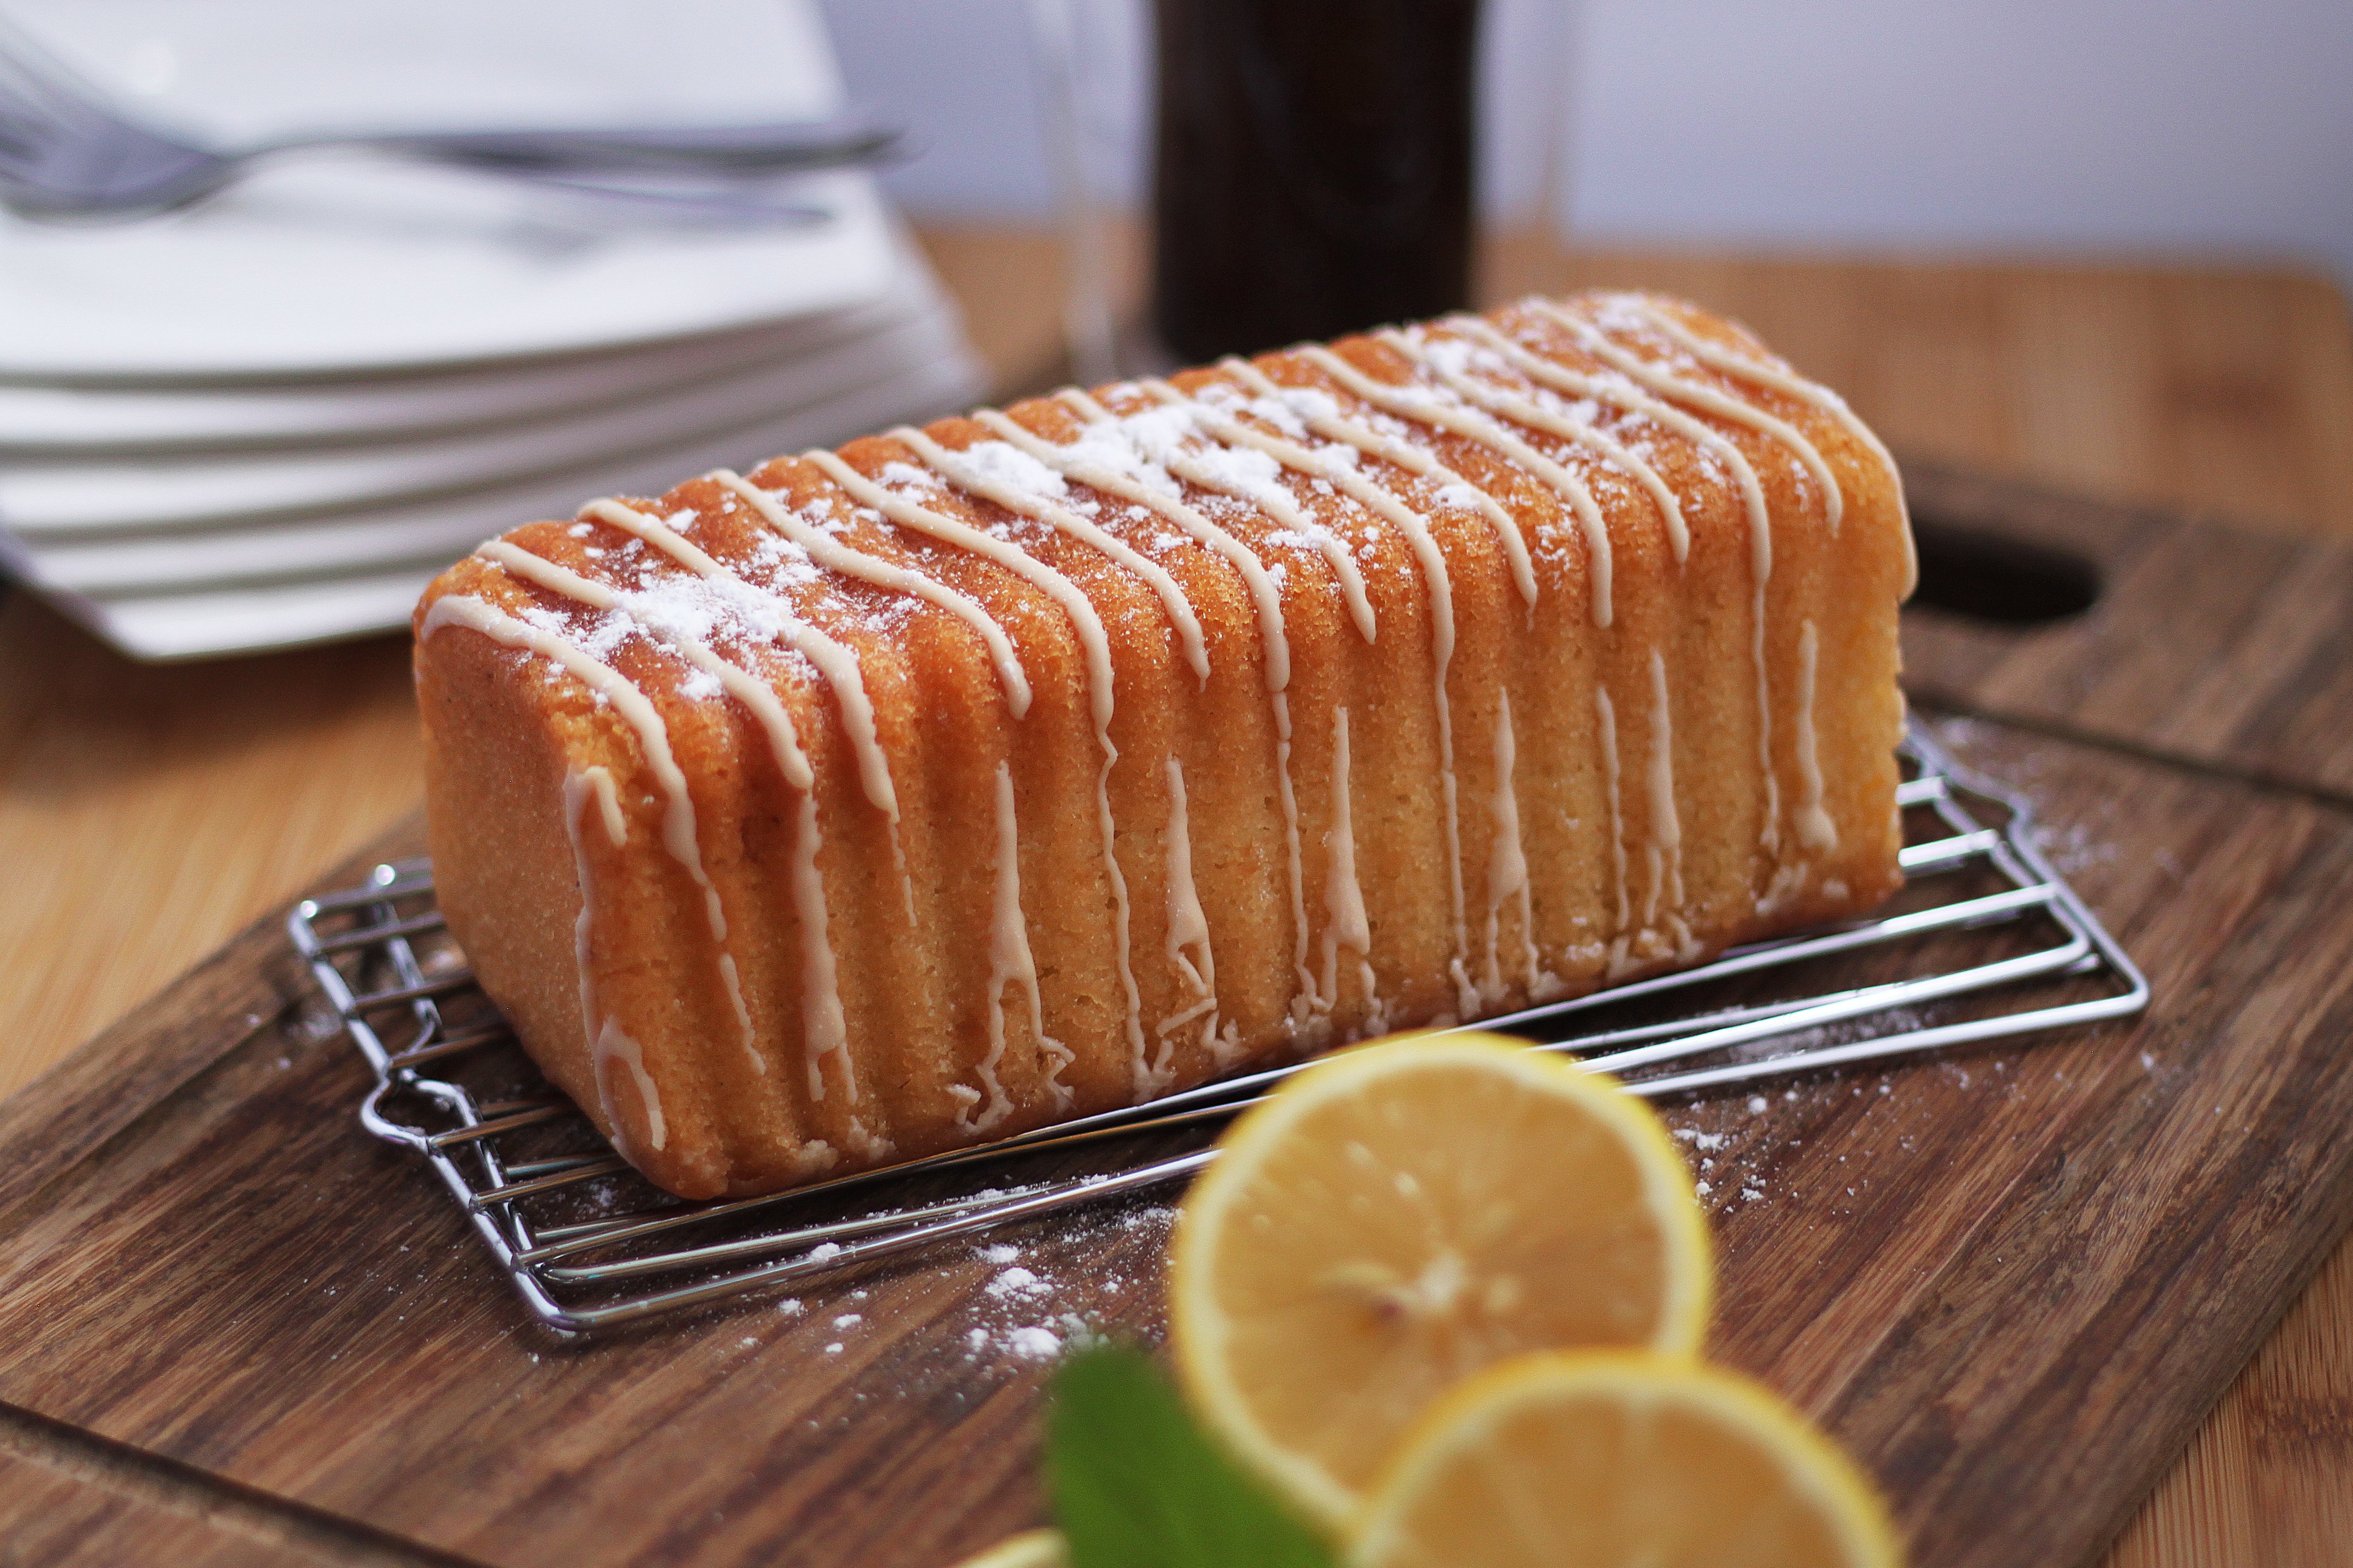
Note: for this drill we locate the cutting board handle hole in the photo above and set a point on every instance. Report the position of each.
(1987, 576)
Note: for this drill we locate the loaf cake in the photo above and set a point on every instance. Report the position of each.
(882, 801)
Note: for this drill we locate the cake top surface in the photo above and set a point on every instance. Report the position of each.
(1552, 437)
(927, 609)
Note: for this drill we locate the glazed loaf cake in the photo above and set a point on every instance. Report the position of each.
(1039, 761)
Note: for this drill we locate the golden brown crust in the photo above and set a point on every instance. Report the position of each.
(910, 905)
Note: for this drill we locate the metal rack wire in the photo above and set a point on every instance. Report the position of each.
(1986, 942)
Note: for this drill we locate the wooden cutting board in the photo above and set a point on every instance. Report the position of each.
(2011, 1281)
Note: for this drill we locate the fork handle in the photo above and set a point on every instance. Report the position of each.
(684, 149)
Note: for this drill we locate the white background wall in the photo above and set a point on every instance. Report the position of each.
(2180, 127)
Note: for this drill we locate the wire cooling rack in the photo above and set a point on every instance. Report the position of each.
(1985, 942)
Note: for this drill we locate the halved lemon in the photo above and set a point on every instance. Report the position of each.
(1617, 1459)
(1030, 1549)
(1404, 1215)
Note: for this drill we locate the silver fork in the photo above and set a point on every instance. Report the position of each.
(66, 152)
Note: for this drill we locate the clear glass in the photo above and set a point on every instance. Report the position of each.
(1099, 77)
(1094, 71)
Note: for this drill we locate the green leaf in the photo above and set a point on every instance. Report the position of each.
(1138, 1485)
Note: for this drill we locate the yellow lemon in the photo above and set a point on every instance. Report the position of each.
(1617, 1459)
(1404, 1215)
(1030, 1549)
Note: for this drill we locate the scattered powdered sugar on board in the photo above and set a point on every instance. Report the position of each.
(1034, 1304)
(1723, 1143)
(1018, 1282)
(2073, 850)
(1018, 1302)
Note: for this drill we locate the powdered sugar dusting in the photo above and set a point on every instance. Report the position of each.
(1030, 1308)
(1002, 463)
(1034, 1343)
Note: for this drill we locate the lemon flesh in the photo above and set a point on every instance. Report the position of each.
(1404, 1215)
(1618, 1460)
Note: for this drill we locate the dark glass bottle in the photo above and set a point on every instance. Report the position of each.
(1313, 168)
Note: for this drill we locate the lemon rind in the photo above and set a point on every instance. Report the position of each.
(1307, 1484)
(1457, 1419)
(1030, 1549)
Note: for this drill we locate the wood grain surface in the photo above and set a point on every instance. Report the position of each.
(2233, 649)
(2012, 1282)
(145, 813)
(65, 1496)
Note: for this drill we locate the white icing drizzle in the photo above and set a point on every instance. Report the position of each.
(1741, 366)
(1420, 403)
(653, 739)
(1266, 595)
(962, 471)
(1320, 413)
(1279, 503)
(1507, 863)
(1606, 714)
(1346, 923)
(1626, 393)
(1092, 639)
(825, 1033)
(1266, 598)
(1457, 386)
(1440, 586)
(784, 744)
(606, 1040)
(1110, 482)
(1536, 415)
(829, 551)
(768, 614)
(612, 1045)
(1083, 403)
(1815, 828)
(1010, 963)
(1752, 497)
(1189, 952)
(1665, 849)
(1065, 594)
(653, 736)
(608, 805)
(1721, 404)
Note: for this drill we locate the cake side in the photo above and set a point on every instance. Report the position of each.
(1045, 760)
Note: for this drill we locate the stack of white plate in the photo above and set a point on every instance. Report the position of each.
(271, 419)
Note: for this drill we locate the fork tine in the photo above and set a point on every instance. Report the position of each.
(23, 139)
(43, 88)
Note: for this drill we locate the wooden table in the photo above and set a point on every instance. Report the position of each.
(145, 814)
